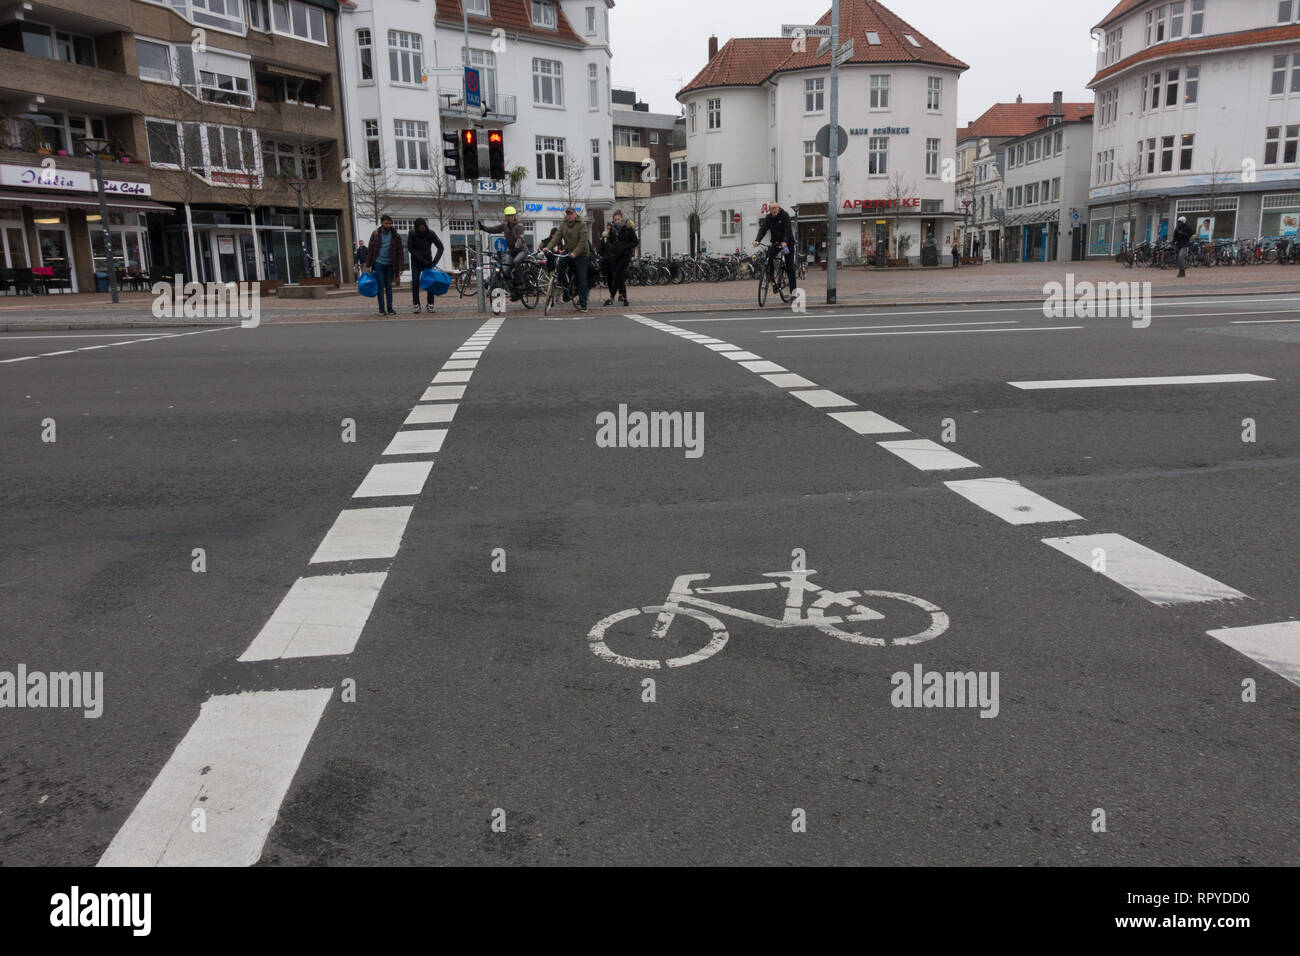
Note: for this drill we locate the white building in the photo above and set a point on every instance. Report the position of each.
(752, 116)
(1197, 114)
(544, 70)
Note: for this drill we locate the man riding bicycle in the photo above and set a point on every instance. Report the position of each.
(777, 222)
(516, 249)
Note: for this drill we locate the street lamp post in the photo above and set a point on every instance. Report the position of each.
(298, 185)
(93, 148)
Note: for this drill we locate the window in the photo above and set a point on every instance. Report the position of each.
(595, 160)
(548, 82)
(1171, 87)
(726, 227)
(232, 149)
(812, 160)
(1197, 26)
(665, 236)
(1176, 20)
(544, 13)
(365, 55)
(690, 116)
(1056, 189)
(223, 14)
(695, 177)
(932, 157)
(1031, 194)
(374, 152)
(814, 95)
(154, 60)
(593, 87)
(224, 89)
(259, 15)
(40, 40)
(1032, 152)
(1020, 196)
(296, 19)
(1185, 152)
(715, 113)
(873, 38)
(550, 158)
(878, 156)
(1020, 155)
(679, 175)
(1154, 102)
(624, 136)
(485, 61)
(164, 143)
(290, 160)
(1191, 87)
(1166, 154)
(1288, 11)
(591, 21)
(880, 91)
(1151, 155)
(1279, 74)
(1043, 188)
(933, 92)
(1059, 138)
(654, 137)
(715, 175)
(771, 107)
(477, 8)
(405, 58)
(412, 137)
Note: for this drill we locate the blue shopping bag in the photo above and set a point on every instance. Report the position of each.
(435, 281)
(368, 285)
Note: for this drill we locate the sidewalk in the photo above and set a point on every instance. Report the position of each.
(1019, 282)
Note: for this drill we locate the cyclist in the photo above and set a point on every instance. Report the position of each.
(574, 237)
(516, 249)
(777, 222)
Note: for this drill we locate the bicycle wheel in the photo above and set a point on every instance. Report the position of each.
(782, 288)
(531, 290)
(550, 294)
(762, 287)
(601, 634)
(913, 613)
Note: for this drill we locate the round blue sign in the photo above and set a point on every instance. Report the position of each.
(499, 244)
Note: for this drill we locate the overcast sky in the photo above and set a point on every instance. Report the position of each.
(1030, 47)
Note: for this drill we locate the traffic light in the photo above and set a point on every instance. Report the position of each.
(496, 155)
(469, 154)
(452, 152)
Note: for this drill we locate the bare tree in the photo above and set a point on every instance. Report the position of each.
(1219, 177)
(243, 174)
(899, 188)
(1130, 175)
(574, 181)
(696, 201)
(185, 113)
(440, 195)
(374, 188)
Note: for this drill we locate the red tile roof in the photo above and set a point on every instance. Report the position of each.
(748, 61)
(1123, 8)
(514, 16)
(1222, 41)
(1019, 119)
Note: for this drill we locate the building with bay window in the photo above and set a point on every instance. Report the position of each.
(752, 117)
(544, 82)
(1197, 115)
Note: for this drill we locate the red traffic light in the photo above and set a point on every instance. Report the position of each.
(494, 137)
(468, 137)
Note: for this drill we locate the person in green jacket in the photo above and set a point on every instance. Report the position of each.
(573, 237)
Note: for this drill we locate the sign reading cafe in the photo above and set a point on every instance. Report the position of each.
(51, 177)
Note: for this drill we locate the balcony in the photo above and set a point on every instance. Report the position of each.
(503, 110)
(314, 122)
(55, 79)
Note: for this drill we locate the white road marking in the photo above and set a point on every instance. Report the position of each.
(394, 479)
(136, 341)
(1152, 380)
(723, 347)
(927, 455)
(852, 335)
(72, 335)
(1146, 573)
(456, 363)
(446, 378)
(790, 380)
(711, 342)
(763, 366)
(867, 423)
(440, 393)
(426, 441)
(1011, 501)
(319, 617)
(742, 356)
(918, 325)
(1261, 322)
(823, 398)
(64, 352)
(1276, 646)
(363, 533)
(236, 764)
(431, 414)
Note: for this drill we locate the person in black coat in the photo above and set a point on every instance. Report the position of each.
(420, 243)
(616, 254)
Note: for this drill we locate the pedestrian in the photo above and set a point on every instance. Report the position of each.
(384, 258)
(516, 248)
(616, 255)
(1182, 238)
(422, 241)
(975, 249)
(956, 255)
(572, 234)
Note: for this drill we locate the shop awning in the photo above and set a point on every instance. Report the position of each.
(1032, 218)
(12, 197)
(296, 74)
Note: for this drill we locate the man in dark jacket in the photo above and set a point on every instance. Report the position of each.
(777, 222)
(422, 241)
(616, 254)
(386, 259)
(516, 248)
(1182, 238)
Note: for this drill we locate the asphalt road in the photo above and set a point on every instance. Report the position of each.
(472, 700)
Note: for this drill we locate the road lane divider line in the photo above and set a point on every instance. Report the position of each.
(432, 414)
(917, 325)
(1275, 646)
(854, 335)
(1011, 501)
(320, 617)
(789, 380)
(823, 398)
(926, 455)
(867, 423)
(1141, 380)
(91, 348)
(424, 441)
(1147, 573)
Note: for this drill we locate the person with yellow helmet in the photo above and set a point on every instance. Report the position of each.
(516, 250)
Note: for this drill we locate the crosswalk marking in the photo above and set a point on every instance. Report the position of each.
(790, 380)
(1145, 572)
(441, 393)
(867, 423)
(427, 441)
(362, 534)
(1011, 501)
(431, 414)
(823, 398)
(1276, 646)
(927, 455)
(394, 479)
(319, 617)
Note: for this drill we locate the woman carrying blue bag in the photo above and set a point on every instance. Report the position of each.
(420, 243)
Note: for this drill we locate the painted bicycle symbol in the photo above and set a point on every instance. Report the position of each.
(854, 621)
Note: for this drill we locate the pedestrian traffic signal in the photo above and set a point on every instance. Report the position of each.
(469, 153)
(452, 152)
(496, 155)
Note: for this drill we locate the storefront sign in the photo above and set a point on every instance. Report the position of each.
(880, 131)
(548, 207)
(876, 204)
(123, 187)
(51, 177)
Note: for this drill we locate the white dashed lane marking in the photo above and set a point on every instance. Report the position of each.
(790, 380)
(137, 341)
(1147, 573)
(320, 616)
(1151, 380)
(1011, 501)
(438, 393)
(363, 534)
(431, 414)
(426, 441)
(1276, 646)
(822, 398)
(926, 455)
(867, 423)
(394, 480)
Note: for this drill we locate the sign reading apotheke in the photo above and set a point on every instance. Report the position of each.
(51, 177)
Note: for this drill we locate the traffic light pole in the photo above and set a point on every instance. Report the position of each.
(478, 234)
(832, 190)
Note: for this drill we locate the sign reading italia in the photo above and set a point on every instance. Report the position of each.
(49, 176)
(868, 204)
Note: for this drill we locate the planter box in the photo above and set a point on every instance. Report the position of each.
(332, 281)
(268, 286)
(301, 292)
(896, 262)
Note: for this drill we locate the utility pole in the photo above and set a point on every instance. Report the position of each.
(473, 202)
(832, 191)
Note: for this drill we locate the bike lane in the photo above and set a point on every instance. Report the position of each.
(486, 729)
